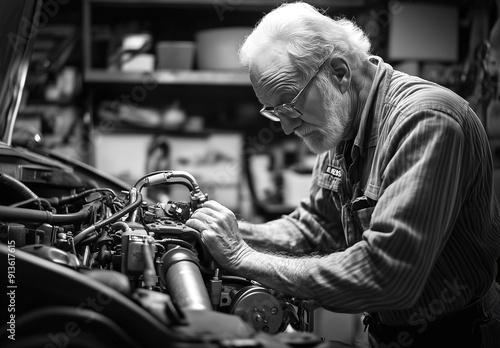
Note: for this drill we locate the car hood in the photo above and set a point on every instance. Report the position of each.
(19, 25)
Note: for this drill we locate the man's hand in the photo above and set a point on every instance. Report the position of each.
(219, 231)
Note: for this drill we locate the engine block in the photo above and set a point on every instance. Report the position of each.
(145, 251)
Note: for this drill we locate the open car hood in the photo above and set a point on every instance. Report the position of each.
(18, 25)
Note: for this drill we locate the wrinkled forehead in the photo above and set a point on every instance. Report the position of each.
(271, 75)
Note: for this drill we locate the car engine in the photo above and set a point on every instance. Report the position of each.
(93, 266)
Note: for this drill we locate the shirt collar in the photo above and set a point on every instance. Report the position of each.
(370, 114)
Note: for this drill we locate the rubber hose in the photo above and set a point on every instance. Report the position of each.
(30, 215)
(17, 185)
(113, 218)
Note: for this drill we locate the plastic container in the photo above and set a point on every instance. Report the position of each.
(175, 55)
(139, 62)
(217, 49)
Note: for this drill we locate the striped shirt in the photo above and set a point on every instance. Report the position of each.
(406, 211)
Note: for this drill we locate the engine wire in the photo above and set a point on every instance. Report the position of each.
(40, 201)
(176, 241)
(113, 218)
(68, 199)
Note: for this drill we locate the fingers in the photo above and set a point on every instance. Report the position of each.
(207, 219)
(196, 224)
(204, 214)
(205, 233)
(215, 209)
(213, 218)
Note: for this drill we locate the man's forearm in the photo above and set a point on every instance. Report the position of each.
(275, 236)
(259, 236)
(288, 275)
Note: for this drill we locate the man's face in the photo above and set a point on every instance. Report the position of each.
(334, 112)
(325, 110)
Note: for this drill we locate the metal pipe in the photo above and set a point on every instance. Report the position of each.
(181, 275)
(169, 177)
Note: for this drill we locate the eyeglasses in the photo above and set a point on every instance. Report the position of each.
(288, 109)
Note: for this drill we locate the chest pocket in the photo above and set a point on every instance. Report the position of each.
(364, 217)
(362, 210)
(337, 195)
(330, 186)
(355, 214)
(355, 219)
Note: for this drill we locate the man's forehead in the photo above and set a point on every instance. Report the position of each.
(269, 60)
(271, 74)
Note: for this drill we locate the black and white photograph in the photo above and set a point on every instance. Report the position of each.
(250, 173)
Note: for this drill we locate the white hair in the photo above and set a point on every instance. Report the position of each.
(308, 36)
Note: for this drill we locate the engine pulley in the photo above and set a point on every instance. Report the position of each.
(259, 307)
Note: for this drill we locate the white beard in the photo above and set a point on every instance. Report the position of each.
(337, 110)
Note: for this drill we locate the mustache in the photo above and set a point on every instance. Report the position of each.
(306, 130)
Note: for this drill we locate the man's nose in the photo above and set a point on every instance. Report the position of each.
(289, 124)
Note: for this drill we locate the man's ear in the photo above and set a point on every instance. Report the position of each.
(341, 73)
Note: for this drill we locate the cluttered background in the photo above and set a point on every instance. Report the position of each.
(136, 86)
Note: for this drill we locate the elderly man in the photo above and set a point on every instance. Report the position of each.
(401, 221)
